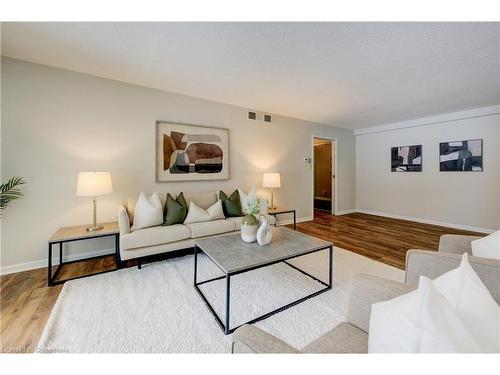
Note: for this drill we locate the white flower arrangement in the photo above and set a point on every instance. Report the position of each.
(252, 203)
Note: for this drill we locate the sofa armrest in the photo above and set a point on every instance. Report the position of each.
(123, 220)
(456, 244)
(250, 339)
(433, 264)
(366, 290)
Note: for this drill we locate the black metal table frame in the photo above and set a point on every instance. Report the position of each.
(53, 276)
(291, 211)
(226, 326)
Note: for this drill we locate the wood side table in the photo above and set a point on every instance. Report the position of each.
(80, 233)
(283, 210)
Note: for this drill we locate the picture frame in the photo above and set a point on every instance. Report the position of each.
(461, 156)
(186, 152)
(406, 158)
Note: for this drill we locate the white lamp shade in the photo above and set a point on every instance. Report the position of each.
(271, 180)
(93, 184)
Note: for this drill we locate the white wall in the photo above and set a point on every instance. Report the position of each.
(462, 199)
(56, 123)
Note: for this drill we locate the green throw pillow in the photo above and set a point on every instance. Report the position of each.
(175, 210)
(231, 205)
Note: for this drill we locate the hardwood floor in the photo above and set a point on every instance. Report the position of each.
(26, 301)
(384, 239)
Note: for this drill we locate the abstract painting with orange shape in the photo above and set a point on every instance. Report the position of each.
(191, 152)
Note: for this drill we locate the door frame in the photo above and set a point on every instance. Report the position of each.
(334, 167)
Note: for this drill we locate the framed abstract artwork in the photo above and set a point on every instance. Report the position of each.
(191, 153)
(406, 158)
(461, 156)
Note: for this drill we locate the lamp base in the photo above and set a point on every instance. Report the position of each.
(94, 228)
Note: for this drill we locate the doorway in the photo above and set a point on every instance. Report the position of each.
(324, 174)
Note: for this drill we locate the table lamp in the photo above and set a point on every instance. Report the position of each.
(271, 180)
(94, 184)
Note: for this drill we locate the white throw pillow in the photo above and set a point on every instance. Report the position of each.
(148, 212)
(442, 330)
(395, 325)
(453, 313)
(473, 303)
(487, 247)
(197, 214)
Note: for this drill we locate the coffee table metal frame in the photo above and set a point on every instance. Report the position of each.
(227, 275)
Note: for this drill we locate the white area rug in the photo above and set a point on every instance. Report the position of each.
(157, 309)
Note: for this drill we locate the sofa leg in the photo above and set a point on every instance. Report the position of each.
(139, 265)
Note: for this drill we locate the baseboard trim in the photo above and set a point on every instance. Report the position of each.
(345, 212)
(42, 263)
(426, 221)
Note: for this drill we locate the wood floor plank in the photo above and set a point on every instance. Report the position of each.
(26, 302)
(379, 238)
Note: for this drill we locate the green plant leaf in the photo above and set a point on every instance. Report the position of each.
(10, 191)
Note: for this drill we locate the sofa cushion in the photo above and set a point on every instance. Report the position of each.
(203, 200)
(197, 214)
(231, 204)
(132, 202)
(148, 212)
(211, 228)
(175, 210)
(155, 236)
(344, 338)
(236, 221)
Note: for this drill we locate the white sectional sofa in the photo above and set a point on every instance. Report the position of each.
(163, 239)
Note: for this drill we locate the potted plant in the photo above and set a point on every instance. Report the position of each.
(10, 191)
(249, 223)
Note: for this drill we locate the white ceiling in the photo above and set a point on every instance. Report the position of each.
(352, 75)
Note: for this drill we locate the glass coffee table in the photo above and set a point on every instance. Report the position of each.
(233, 256)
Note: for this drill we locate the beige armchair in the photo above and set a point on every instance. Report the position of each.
(352, 335)
(456, 244)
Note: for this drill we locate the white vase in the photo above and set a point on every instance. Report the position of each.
(248, 232)
(264, 233)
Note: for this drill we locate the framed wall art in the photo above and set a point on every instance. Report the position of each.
(461, 156)
(406, 158)
(191, 152)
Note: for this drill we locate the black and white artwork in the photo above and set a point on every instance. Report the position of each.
(406, 158)
(461, 156)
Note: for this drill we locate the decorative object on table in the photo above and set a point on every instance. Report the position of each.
(461, 156)
(264, 233)
(406, 158)
(196, 214)
(94, 184)
(10, 191)
(190, 153)
(175, 210)
(249, 223)
(271, 180)
(231, 204)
